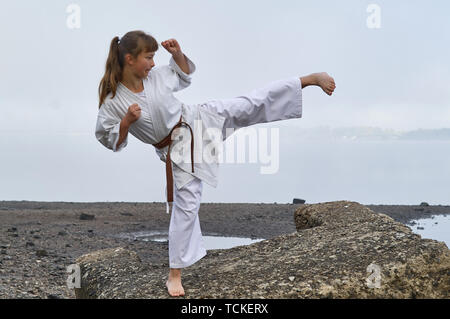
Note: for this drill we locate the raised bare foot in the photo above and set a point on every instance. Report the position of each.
(325, 81)
(173, 284)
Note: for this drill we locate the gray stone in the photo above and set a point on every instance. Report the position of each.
(126, 214)
(339, 250)
(41, 253)
(84, 216)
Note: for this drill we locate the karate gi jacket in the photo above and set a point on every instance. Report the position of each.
(160, 112)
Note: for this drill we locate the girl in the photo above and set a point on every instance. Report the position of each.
(137, 97)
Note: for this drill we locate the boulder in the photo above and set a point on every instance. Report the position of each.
(340, 250)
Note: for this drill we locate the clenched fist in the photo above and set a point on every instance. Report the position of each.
(172, 46)
(133, 114)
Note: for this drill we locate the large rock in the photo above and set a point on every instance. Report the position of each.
(340, 250)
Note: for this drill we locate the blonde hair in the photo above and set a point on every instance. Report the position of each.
(134, 42)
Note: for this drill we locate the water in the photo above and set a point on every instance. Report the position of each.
(145, 236)
(369, 172)
(437, 227)
(211, 241)
(218, 242)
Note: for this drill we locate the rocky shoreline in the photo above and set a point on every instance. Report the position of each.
(38, 240)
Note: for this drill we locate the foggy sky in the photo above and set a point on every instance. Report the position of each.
(395, 77)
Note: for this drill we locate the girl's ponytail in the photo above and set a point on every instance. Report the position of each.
(113, 72)
(134, 42)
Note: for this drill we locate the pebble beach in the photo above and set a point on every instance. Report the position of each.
(39, 240)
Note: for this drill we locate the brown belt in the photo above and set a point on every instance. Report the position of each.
(168, 141)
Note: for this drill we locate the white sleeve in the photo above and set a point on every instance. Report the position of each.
(107, 132)
(184, 79)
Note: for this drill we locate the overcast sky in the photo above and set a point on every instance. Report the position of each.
(394, 77)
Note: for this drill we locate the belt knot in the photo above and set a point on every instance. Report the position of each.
(167, 141)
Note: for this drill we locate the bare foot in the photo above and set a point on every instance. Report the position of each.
(173, 284)
(325, 81)
(175, 288)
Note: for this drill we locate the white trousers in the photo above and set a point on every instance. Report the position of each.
(278, 100)
(185, 236)
(275, 101)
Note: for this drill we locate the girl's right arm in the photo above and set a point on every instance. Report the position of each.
(133, 114)
(123, 132)
(111, 131)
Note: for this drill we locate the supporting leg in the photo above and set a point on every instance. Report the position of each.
(173, 283)
(185, 237)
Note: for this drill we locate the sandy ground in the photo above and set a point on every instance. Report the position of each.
(38, 240)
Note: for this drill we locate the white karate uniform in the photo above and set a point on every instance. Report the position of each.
(160, 112)
(278, 100)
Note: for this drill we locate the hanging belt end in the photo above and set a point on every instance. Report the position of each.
(168, 207)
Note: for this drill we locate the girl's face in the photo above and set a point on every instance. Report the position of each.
(143, 64)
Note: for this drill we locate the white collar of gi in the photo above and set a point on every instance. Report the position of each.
(126, 90)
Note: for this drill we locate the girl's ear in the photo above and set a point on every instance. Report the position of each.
(128, 59)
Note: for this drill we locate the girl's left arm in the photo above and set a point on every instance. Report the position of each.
(180, 59)
(183, 78)
(173, 47)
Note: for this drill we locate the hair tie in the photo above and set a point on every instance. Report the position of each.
(118, 41)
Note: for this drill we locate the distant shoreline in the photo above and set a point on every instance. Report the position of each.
(399, 212)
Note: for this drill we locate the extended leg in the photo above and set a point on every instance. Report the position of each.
(275, 101)
(278, 100)
(321, 79)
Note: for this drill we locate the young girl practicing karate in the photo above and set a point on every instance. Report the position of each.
(137, 97)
